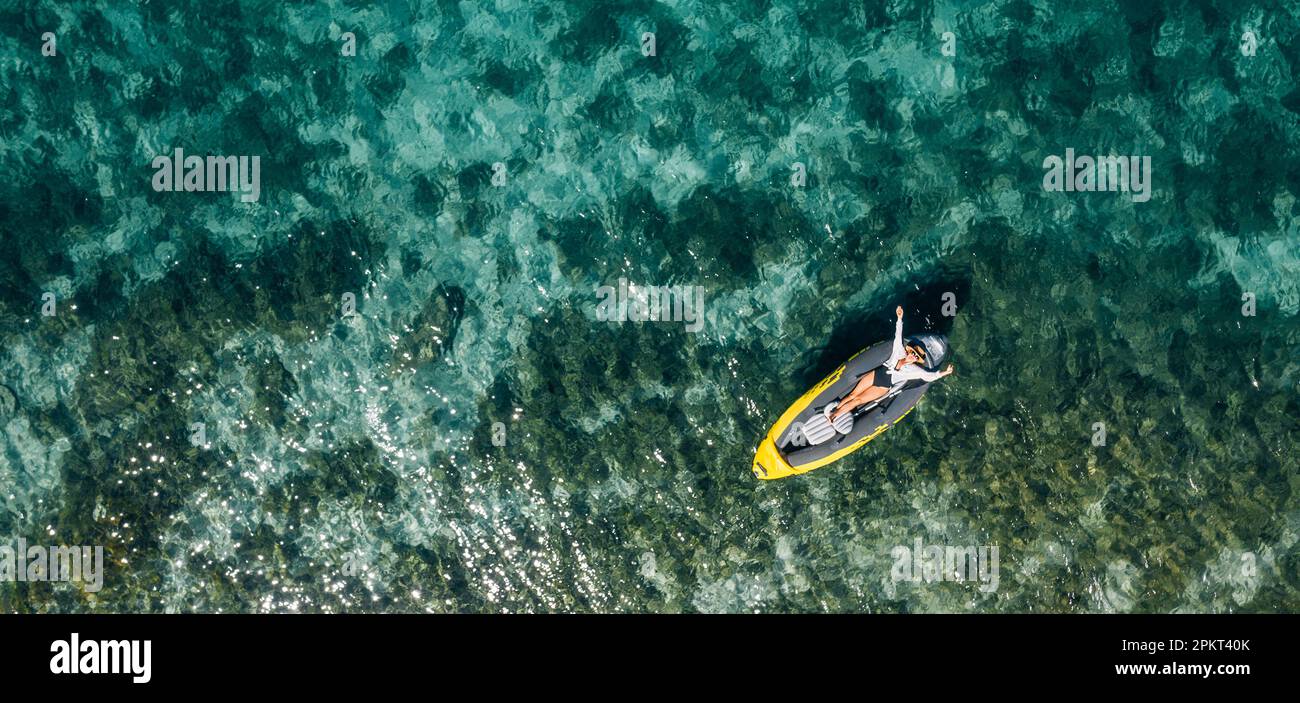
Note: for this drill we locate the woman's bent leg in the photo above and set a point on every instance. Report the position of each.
(865, 392)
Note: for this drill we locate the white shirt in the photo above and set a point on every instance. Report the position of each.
(909, 372)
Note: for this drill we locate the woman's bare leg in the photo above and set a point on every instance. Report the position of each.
(862, 386)
(863, 393)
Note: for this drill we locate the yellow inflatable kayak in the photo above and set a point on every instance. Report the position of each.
(787, 450)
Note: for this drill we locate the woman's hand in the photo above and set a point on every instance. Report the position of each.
(948, 371)
(899, 312)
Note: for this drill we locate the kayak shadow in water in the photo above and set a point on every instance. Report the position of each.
(858, 329)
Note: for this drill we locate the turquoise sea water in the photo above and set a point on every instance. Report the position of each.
(355, 463)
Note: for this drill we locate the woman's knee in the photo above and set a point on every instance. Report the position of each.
(866, 383)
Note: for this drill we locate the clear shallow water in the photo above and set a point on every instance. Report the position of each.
(351, 463)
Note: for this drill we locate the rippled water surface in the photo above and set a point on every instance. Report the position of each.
(478, 170)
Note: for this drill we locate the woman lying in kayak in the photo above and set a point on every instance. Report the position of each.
(917, 359)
